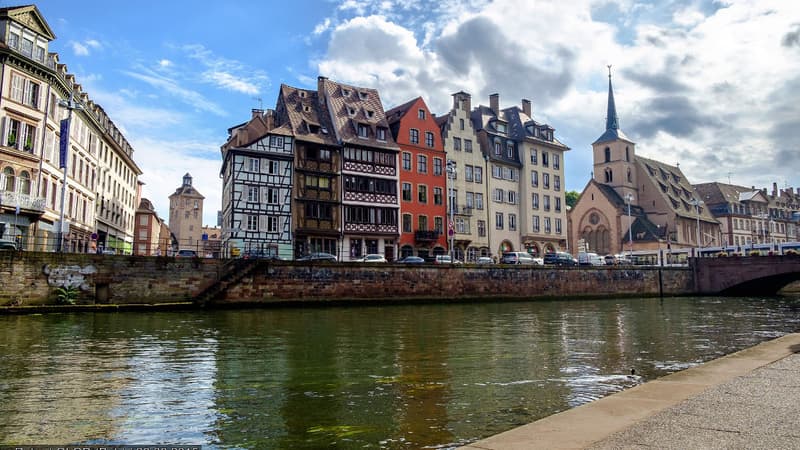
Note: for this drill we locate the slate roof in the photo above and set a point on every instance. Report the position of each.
(613, 132)
(518, 127)
(350, 105)
(187, 190)
(674, 187)
(642, 228)
(305, 115)
(484, 122)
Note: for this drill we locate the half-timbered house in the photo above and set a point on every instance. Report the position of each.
(257, 165)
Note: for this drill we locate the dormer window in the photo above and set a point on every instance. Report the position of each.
(381, 133)
(324, 130)
(345, 92)
(13, 40)
(307, 108)
(351, 111)
(313, 128)
(362, 95)
(501, 127)
(370, 114)
(362, 130)
(302, 94)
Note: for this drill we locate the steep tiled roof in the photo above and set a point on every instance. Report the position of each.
(305, 115)
(350, 106)
(674, 187)
(643, 229)
(716, 193)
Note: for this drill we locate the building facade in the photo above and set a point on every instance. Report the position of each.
(422, 179)
(370, 201)
(43, 181)
(147, 236)
(467, 192)
(186, 215)
(257, 188)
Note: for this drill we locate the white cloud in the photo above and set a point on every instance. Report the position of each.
(231, 82)
(79, 49)
(172, 87)
(322, 26)
(226, 73)
(165, 63)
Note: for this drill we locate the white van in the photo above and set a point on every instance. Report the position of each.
(590, 259)
(516, 258)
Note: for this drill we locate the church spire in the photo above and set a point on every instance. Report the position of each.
(612, 122)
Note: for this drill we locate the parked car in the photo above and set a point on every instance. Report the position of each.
(623, 260)
(484, 260)
(445, 259)
(319, 256)
(412, 260)
(516, 258)
(560, 259)
(186, 253)
(610, 260)
(262, 254)
(372, 258)
(590, 259)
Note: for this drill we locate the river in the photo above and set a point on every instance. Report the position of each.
(435, 375)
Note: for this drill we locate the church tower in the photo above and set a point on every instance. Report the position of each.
(614, 154)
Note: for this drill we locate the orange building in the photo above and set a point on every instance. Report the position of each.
(423, 180)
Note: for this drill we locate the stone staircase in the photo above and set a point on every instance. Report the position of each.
(232, 272)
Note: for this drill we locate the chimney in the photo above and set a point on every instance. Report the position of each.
(321, 85)
(256, 113)
(269, 119)
(462, 101)
(494, 103)
(526, 107)
(774, 189)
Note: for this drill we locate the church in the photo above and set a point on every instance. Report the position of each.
(633, 203)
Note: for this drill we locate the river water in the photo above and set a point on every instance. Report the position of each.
(419, 376)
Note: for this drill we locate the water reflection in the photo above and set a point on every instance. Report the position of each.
(380, 377)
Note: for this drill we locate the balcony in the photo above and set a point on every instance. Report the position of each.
(461, 210)
(426, 235)
(26, 202)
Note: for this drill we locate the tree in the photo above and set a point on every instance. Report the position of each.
(571, 198)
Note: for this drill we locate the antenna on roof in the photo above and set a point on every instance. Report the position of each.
(729, 178)
(260, 103)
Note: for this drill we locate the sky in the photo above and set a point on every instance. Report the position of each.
(713, 86)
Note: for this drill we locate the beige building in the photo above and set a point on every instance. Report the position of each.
(186, 215)
(635, 203)
(38, 93)
(470, 213)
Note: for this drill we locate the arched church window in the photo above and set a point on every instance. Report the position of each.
(608, 154)
(629, 175)
(627, 154)
(609, 176)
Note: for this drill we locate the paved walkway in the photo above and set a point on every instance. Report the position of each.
(746, 400)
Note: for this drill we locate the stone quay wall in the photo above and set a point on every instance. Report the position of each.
(31, 278)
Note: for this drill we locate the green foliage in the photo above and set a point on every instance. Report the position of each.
(12, 138)
(66, 295)
(571, 198)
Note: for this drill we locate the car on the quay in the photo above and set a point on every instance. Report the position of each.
(318, 256)
(372, 258)
(559, 259)
(411, 259)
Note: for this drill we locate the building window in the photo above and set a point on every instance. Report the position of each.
(607, 152)
(362, 130)
(497, 149)
(558, 204)
(482, 228)
(478, 200)
(422, 193)
(557, 183)
(534, 178)
(254, 164)
(470, 200)
(512, 222)
(535, 201)
(438, 224)
(510, 150)
(498, 221)
(627, 154)
(477, 174)
(429, 139)
(468, 145)
(252, 194)
(461, 124)
(413, 136)
(535, 223)
(406, 223)
(437, 166)
(558, 226)
(381, 133)
(556, 161)
(497, 172)
(457, 144)
(546, 180)
(609, 175)
(534, 158)
(422, 164)
(545, 158)
(252, 223)
(272, 224)
(547, 225)
(272, 196)
(421, 114)
(406, 161)
(512, 197)
(13, 40)
(547, 203)
(437, 196)
(422, 221)
(407, 192)
(499, 195)
(468, 173)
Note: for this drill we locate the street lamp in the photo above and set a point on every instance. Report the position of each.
(63, 146)
(628, 200)
(451, 175)
(697, 203)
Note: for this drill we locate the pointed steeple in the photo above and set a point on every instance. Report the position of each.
(612, 122)
(612, 133)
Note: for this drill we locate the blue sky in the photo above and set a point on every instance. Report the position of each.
(712, 85)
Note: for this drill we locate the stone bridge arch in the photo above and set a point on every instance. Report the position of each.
(746, 275)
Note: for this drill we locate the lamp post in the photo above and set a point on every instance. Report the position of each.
(697, 203)
(63, 146)
(628, 200)
(451, 175)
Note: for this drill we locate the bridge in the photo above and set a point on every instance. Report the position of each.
(744, 275)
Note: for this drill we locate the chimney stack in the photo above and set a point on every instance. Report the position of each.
(494, 103)
(526, 107)
(256, 113)
(774, 189)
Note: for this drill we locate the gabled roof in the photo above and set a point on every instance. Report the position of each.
(521, 125)
(717, 193)
(349, 106)
(674, 187)
(305, 115)
(642, 228)
(30, 17)
(187, 191)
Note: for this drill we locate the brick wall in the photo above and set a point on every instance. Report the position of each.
(31, 278)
